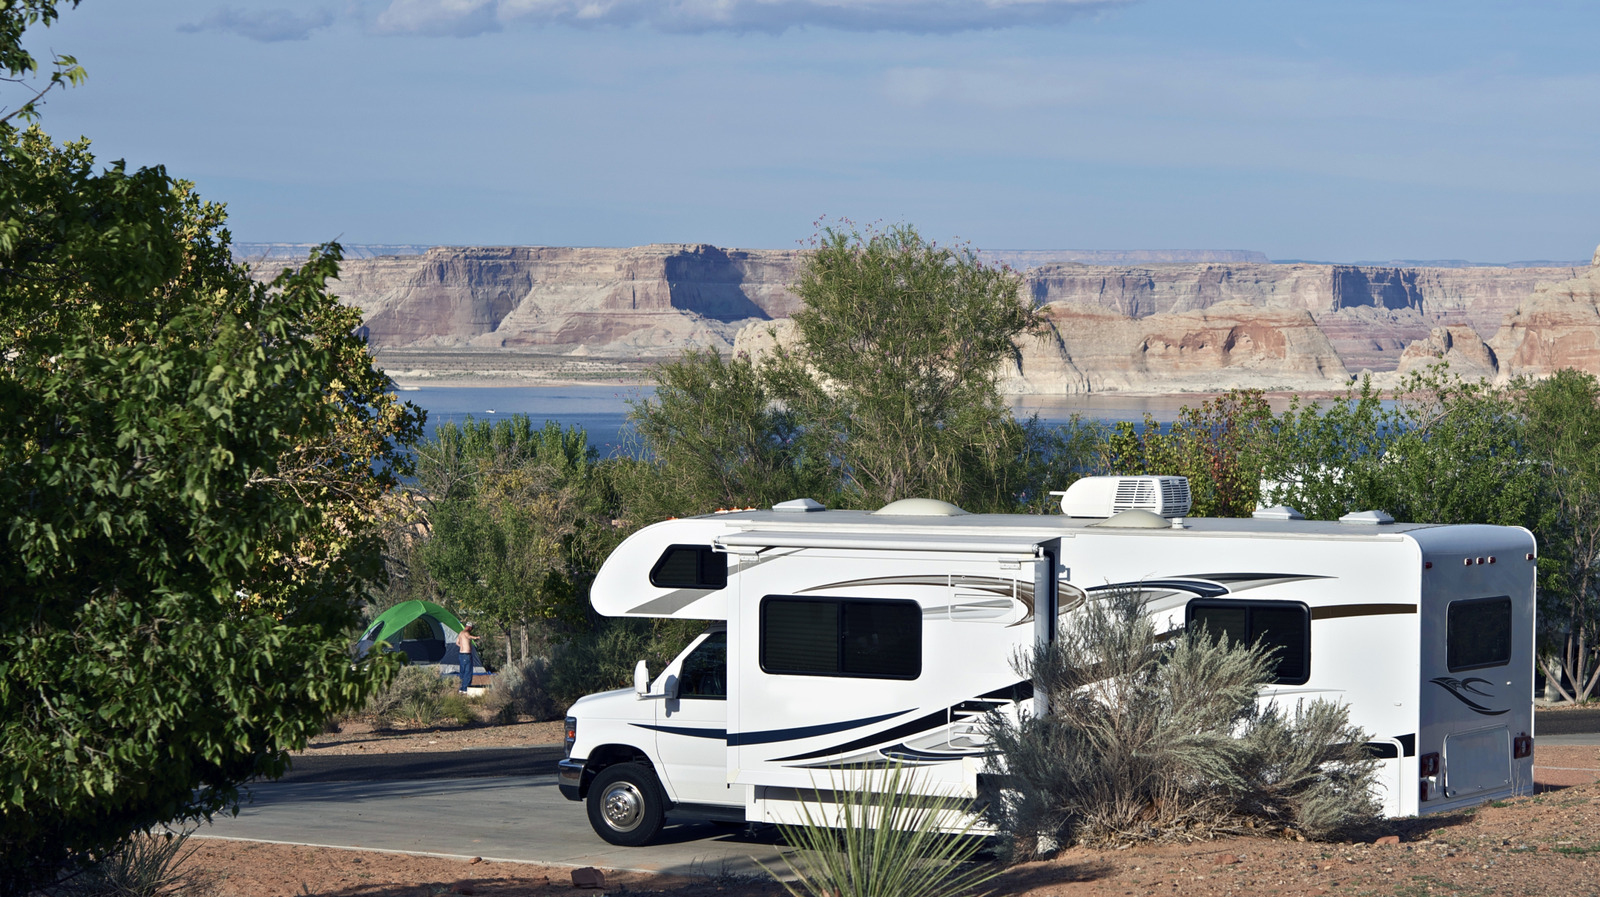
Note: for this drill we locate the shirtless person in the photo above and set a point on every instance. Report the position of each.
(464, 640)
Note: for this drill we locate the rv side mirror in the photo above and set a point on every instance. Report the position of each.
(641, 679)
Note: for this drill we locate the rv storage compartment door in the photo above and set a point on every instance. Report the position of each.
(842, 657)
(1477, 761)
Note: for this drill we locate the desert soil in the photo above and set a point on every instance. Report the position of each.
(1545, 844)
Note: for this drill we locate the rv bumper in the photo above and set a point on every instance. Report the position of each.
(572, 777)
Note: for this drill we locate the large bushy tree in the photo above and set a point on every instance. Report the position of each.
(894, 374)
(888, 390)
(190, 468)
(1562, 436)
(518, 521)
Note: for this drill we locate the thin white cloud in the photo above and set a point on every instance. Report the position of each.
(696, 16)
(453, 18)
(266, 25)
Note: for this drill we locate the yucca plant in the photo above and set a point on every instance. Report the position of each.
(141, 865)
(882, 840)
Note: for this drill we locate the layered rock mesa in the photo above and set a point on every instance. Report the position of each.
(1148, 327)
(609, 302)
(1369, 314)
(1556, 326)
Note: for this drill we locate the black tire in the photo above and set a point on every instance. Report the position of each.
(626, 804)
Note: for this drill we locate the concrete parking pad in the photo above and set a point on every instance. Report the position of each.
(521, 819)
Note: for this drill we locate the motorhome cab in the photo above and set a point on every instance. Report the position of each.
(838, 639)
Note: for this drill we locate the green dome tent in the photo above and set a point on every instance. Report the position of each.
(432, 629)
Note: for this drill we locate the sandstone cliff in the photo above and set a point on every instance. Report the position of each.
(599, 301)
(1556, 327)
(1148, 327)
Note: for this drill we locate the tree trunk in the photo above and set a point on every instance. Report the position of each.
(524, 630)
(1552, 678)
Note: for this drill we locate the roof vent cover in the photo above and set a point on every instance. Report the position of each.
(918, 507)
(1106, 496)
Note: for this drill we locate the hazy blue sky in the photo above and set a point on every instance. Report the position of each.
(1329, 130)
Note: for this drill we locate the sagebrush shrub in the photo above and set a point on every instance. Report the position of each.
(1148, 738)
(523, 691)
(415, 694)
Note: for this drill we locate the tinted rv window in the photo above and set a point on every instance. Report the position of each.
(1478, 634)
(1283, 627)
(841, 637)
(690, 567)
(705, 671)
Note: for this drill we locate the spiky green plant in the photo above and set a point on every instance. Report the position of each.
(889, 841)
(141, 865)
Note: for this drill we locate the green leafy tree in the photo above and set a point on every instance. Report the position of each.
(1438, 450)
(191, 466)
(893, 379)
(1563, 439)
(1217, 446)
(518, 521)
(717, 439)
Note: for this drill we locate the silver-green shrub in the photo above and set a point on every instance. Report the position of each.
(1162, 738)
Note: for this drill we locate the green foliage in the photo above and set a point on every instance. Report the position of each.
(893, 380)
(603, 658)
(519, 520)
(1563, 441)
(15, 17)
(1217, 446)
(718, 440)
(888, 392)
(1150, 739)
(881, 837)
(191, 465)
(1441, 451)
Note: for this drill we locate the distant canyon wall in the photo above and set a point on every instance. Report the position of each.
(1147, 327)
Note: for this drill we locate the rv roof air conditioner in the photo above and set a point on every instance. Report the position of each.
(1107, 496)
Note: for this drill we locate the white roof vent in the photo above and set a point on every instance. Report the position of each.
(1135, 518)
(1105, 496)
(799, 504)
(1366, 518)
(1277, 512)
(918, 507)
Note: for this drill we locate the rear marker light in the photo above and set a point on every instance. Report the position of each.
(1530, 555)
(1428, 764)
(1491, 558)
(1427, 565)
(1466, 562)
(1522, 746)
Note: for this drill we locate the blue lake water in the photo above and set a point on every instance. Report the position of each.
(602, 410)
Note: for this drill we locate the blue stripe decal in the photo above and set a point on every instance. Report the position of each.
(771, 735)
(686, 730)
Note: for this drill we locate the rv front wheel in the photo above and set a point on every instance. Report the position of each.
(626, 805)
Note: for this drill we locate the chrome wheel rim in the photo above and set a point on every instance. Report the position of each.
(623, 807)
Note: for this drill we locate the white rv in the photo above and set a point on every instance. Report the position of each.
(839, 639)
